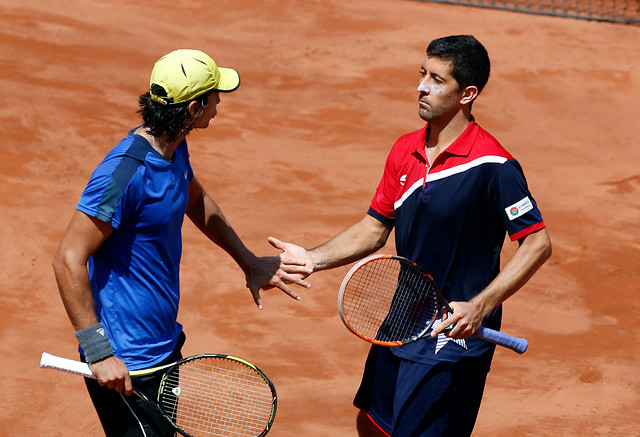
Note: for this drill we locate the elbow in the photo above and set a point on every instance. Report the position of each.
(58, 262)
(63, 262)
(548, 251)
(539, 246)
(60, 267)
(545, 248)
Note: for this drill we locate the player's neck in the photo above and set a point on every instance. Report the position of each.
(442, 135)
(160, 144)
(164, 147)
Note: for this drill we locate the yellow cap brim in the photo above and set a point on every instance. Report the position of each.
(229, 80)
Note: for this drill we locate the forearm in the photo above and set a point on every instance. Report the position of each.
(75, 290)
(352, 244)
(74, 286)
(528, 258)
(208, 217)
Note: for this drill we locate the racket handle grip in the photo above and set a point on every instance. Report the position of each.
(514, 343)
(49, 361)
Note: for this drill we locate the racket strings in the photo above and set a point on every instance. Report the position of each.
(218, 397)
(389, 300)
(366, 303)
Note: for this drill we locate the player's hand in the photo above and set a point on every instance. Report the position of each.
(293, 255)
(113, 373)
(270, 272)
(464, 322)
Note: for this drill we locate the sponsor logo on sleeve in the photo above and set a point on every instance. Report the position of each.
(519, 208)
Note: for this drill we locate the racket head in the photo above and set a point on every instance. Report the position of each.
(388, 300)
(217, 395)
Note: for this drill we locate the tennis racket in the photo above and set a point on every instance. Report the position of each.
(388, 300)
(203, 395)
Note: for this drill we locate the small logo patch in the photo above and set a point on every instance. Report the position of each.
(519, 208)
(403, 179)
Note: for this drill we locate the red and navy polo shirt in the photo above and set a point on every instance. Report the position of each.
(451, 217)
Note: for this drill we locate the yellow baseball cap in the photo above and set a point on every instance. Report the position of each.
(185, 74)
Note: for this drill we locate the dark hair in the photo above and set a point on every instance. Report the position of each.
(162, 119)
(470, 60)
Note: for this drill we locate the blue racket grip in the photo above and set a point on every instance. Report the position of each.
(514, 343)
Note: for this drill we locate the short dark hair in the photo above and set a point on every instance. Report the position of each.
(161, 119)
(470, 60)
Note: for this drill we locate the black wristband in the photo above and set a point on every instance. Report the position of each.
(94, 343)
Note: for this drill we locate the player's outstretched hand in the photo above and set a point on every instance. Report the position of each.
(294, 255)
(271, 272)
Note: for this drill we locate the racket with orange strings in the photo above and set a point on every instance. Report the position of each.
(389, 301)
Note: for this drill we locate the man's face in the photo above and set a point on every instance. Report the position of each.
(438, 92)
(209, 111)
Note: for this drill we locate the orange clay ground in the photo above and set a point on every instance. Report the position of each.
(327, 87)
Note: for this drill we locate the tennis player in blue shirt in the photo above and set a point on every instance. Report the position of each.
(452, 193)
(117, 266)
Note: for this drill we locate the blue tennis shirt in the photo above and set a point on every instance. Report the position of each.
(135, 273)
(451, 218)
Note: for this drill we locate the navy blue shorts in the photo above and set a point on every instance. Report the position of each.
(408, 399)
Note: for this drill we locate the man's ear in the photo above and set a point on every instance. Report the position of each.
(469, 94)
(195, 109)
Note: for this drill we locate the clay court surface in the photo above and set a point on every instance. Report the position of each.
(327, 87)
